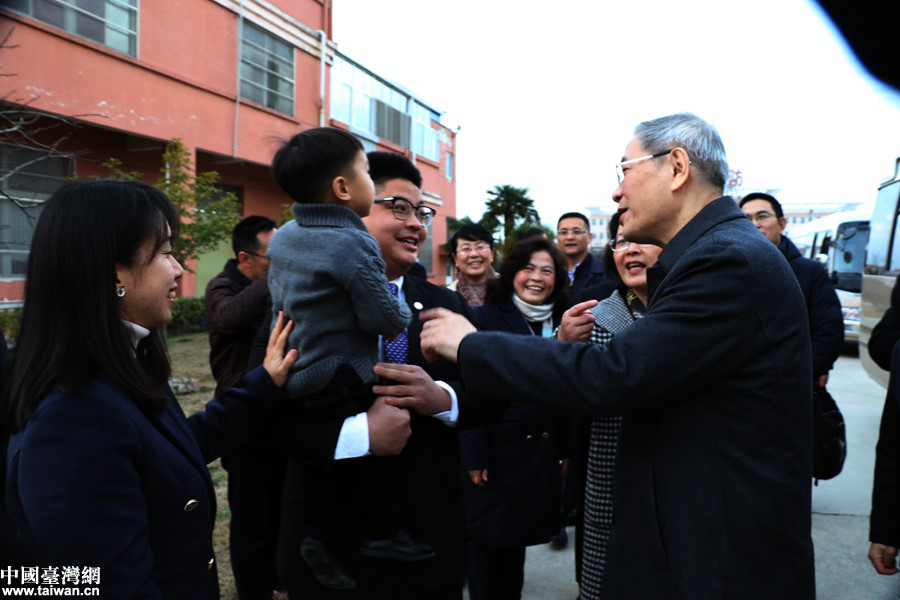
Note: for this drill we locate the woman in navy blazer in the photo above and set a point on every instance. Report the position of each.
(511, 484)
(104, 470)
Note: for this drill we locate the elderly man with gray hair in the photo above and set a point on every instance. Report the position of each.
(712, 491)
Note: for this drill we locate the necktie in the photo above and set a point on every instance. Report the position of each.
(397, 349)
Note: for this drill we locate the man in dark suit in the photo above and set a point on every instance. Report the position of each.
(424, 436)
(573, 236)
(237, 301)
(826, 321)
(712, 494)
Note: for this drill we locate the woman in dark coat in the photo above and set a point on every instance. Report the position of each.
(105, 474)
(511, 479)
(626, 263)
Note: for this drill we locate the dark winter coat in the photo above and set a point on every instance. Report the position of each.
(588, 274)
(235, 306)
(520, 503)
(826, 321)
(886, 332)
(712, 495)
(94, 480)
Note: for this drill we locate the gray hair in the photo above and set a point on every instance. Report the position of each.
(700, 139)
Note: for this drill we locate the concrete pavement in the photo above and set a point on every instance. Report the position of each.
(840, 510)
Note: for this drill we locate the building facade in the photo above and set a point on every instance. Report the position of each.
(599, 217)
(119, 78)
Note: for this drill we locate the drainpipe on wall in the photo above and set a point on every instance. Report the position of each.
(409, 111)
(237, 85)
(323, 38)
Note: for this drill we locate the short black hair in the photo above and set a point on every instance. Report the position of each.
(609, 264)
(244, 237)
(306, 164)
(500, 289)
(776, 205)
(472, 232)
(574, 215)
(384, 166)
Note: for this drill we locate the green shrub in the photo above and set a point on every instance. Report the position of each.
(188, 314)
(9, 323)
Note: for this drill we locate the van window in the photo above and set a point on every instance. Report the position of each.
(848, 254)
(882, 231)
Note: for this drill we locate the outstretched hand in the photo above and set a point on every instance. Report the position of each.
(277, 363)
(442, 333)
(577, 322)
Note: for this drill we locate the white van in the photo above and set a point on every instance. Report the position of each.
(882, 265)
(838, 242)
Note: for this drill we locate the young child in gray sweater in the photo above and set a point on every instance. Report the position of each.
(327, 275)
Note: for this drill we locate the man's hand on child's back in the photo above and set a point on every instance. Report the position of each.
(415, 389)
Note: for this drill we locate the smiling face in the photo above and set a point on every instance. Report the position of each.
(646, 209)
(473, 259)
(150, 286)
(534, 283)
(399, 240)
(632, 265)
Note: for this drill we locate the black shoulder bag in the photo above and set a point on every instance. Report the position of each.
(831, 437)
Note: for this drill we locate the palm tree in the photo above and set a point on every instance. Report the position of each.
(510, 205)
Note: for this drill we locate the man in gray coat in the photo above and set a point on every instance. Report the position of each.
(712, 496)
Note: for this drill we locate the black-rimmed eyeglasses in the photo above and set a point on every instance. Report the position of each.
(403, 209)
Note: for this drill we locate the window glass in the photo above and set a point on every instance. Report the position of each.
(882, 230)
(112, 23)
(426, 253)
(267, 69)
(28, 178)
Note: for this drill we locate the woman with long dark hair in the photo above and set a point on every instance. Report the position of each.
(626, 264)
(104, 470)
(511, 479)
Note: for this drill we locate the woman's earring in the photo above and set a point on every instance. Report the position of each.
(120, 291)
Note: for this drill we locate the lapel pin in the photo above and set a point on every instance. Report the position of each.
(418, 305)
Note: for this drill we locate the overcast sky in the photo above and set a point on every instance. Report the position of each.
(547, 94)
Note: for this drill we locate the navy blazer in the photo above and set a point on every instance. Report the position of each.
(589, 273)
(712, 491)
(432, 483)
(95, 481)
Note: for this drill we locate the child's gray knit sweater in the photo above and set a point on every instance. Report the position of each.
(326, 274)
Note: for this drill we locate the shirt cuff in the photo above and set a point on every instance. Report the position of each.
(448, 417)
(353, 440)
